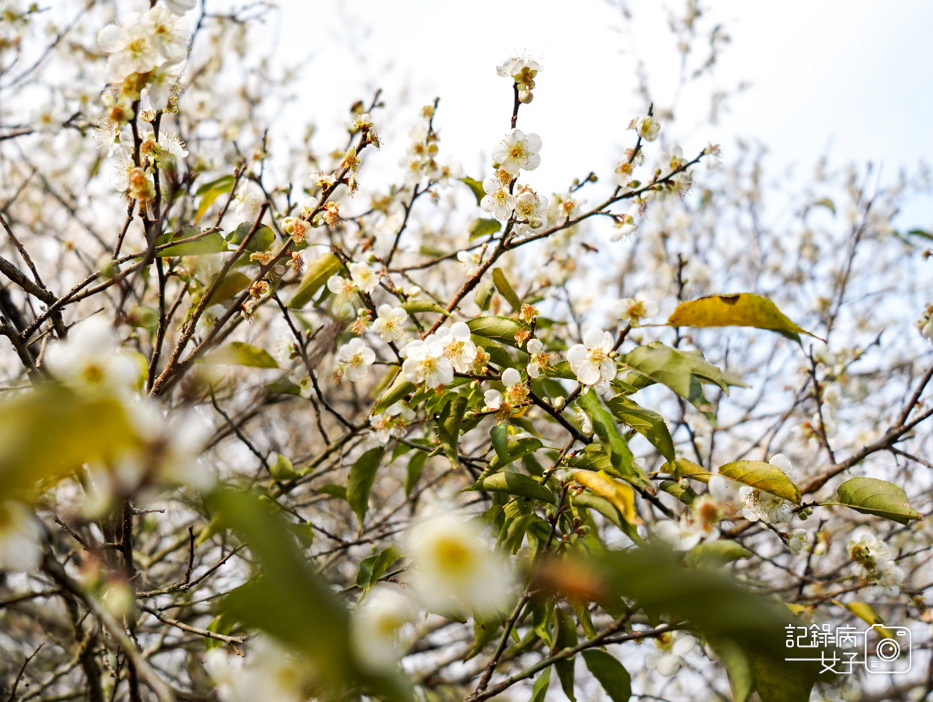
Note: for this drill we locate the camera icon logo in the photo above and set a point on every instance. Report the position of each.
(891, 654)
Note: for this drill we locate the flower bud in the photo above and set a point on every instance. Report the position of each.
(526, 96)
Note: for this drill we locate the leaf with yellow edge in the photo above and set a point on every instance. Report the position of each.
(762, 476)
(738, 310)
(863, 611)
(620, 494)
(686, 468)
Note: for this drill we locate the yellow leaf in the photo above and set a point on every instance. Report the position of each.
(620, 494)
(863, 611)
(688, 469)
(738, 310)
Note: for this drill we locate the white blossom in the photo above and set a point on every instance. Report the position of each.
(354, 358)
(797, 540)
(376, 627)
(647, 128)
(590, 360)
(517, 152)
(366, 278)
(390, 322)
(633, 310)
(457, 346)
(425, 363)
(668, 659)
(453, 567)
(498, 201)
(90, 360)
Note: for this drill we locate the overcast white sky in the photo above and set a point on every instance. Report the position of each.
(852, 79)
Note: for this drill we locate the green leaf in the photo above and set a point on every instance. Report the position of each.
(864, 611)
(762, 476)
(239, 353)
(483, 227)
(500, 440)
(261, 241)
(921, 234)
(716, 553)
(484, 633)
(360, 481)
(611, 674)
(291, 601)
(505, 289)
(738, 310)
(515, 448)
(208, 244)
(646, 422)
(827, 203)
(316, 276)
(413, 470)
(398, 390)
(664, 365)
(566, 638)
(234, 282)
(419, 305)
(605, 428)
(738, 668)
(539, 689)
(516, 484)
(210, 192)
(592, 457)
(501, 329)
(476, 186)
(448, 428)
(282, 468)
(877, 497)
(374, 567)
(221, 624)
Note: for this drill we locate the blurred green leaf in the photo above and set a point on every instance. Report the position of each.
(611, 674)
(360, 481)
(566, 638)
(715, 553)
(210, 192)
(475, 186)
(483, 227)
(413, 471)
(539, 689)
(316, 276)
(261, 241)
(208, 244)
(239, 353)
(505, 289)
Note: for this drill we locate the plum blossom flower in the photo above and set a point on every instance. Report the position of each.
(169, 33)
(390, 322)
(392, 422)
(797, 540)
(453, 568)
(20, 535)
(131, 47)
(520, 70)
(457, 346)
(366, 278)
(646, 127)
(628, 223)
(682, 534)
(498, 201)
(872, 562)
(341, 286)
(668, 659)
(492, 399)
(471, 260)
(354, 358)
(517, 152)
(90, 359)
(633, 310)
(377, 626)
(271, 672)
(249, 202)
(670, 161)
(531, 211)
(426, 363)
(590, 360)
(539, 361)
